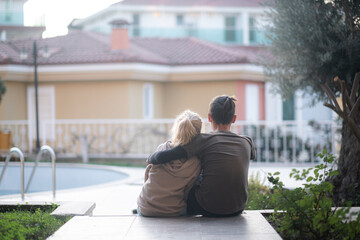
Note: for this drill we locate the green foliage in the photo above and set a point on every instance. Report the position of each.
(2, 89)
(312, 41)
(308, 212)
(34, 223)
(259, 194)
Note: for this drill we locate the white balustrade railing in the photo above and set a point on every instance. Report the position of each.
(19, 133)
(286, 142)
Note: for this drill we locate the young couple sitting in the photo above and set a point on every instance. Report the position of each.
(198, 173)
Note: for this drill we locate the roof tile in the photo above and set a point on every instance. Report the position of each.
(81, 47)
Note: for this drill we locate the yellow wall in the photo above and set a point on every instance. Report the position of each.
(106, 99)
(136, 99)
(112, 95)
(14, 103)
(159, 100)
(117, 99)
(196, 96)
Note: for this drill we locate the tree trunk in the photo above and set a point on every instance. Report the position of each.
(347, 183)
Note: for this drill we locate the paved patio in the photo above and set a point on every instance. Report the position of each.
(113, 219)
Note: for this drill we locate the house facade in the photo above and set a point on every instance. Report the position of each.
(236, 24)
(225, 22)
(108, 88)
(86, 75)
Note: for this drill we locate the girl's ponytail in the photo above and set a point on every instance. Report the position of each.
(186, 127)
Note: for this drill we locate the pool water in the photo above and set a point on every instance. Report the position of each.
(66, 178)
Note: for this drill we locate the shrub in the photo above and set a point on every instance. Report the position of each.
(259, 194)
(28, 224)
(308, 212)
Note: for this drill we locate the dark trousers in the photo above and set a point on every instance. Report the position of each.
(193, 207)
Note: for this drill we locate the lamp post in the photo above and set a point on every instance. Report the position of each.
(36, 97)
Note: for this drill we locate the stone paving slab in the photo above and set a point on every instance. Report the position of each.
(74, 209)
(250, 225)
(94, 228)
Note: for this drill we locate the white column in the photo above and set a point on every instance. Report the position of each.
(252, 102)
(273, 105)
(298, 106)
(245, 28)
(3, 36)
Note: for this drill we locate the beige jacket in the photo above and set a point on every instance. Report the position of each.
(166, 186)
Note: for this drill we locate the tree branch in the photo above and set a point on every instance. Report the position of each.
(355, 87)
(331, 96)
(343, 97)
(350, 109)
(355, 108)
(332, 107)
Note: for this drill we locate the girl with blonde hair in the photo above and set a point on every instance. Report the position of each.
(166, 186)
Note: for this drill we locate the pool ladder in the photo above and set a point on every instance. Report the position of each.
(17, 151)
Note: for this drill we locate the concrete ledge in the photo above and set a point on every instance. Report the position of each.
(74, 209)
(63, 209)
(249, 225)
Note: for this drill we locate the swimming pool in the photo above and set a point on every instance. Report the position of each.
(67, 177)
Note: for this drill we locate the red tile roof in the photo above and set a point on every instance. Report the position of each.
(8, 54)
(250, 53)
(82, 47)
(192, 3)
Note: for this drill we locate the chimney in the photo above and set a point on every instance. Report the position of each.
(119, 35)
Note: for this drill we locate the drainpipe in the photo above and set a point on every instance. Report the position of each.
(36, 97)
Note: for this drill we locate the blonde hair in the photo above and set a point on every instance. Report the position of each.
(187, 125)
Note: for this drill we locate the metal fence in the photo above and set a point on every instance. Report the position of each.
(285, 142)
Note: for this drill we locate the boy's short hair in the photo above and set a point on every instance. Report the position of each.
(222, 109)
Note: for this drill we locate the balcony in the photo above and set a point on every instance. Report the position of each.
(221, 36)
(11, 18)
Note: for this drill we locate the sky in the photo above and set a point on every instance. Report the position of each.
(57, 14)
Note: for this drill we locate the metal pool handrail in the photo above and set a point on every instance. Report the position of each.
(21, 155)
(53, 160)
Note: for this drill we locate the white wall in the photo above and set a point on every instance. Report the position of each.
(304, 112)
(165, 17)
(273, 105)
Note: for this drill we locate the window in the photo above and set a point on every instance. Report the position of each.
(179, 20)
(136, 25)
(289, 108)
(8, 10)
(46, 100)
(252, 102)
(148, 100)
(252, 29)
(230, 29)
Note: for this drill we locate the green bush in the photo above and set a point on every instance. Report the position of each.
(259, 194)
(28, 224)
(308, 212)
